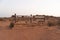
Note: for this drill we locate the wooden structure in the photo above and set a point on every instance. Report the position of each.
(39, 19)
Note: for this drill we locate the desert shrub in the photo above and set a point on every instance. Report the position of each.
(22, 16)
(58, 22)
(1, 19)
(50, 24)
(11, 25)
(10, 19)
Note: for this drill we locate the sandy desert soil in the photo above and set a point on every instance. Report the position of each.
(23, 32)
(28, 32)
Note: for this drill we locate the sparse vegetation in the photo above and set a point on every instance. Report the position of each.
(58, 22)
(1, 19)
(50, 24)
(11, 25)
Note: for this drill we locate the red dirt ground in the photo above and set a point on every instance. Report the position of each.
(30, 33)
(26, 32)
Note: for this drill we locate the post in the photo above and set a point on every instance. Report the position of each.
(31, 19)
(15, 18)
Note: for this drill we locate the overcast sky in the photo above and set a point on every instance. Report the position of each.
(27, 7)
